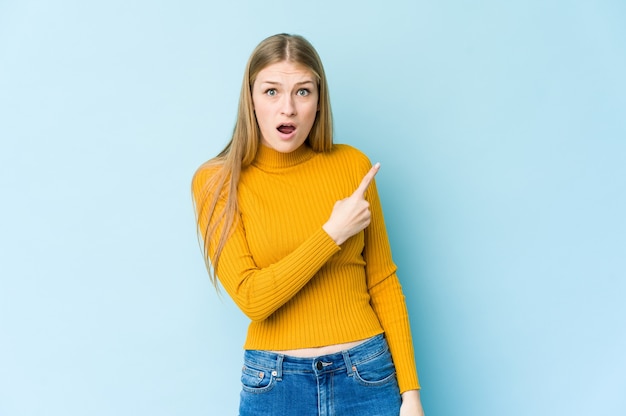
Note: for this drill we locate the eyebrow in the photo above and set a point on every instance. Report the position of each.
(278, 83)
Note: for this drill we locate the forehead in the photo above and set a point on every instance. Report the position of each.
(285, 71)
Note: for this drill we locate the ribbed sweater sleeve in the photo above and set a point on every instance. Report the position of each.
(261, 291)
(387, 298)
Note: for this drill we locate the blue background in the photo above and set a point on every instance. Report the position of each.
(501, 131)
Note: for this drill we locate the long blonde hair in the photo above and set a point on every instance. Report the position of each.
(215, 227)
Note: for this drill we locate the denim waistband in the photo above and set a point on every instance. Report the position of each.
(278, 364)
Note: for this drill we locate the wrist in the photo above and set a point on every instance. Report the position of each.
(411, 396)
(332, 234)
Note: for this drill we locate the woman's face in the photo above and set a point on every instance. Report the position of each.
(285, 98)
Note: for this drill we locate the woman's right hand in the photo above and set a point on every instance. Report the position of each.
(352, 214)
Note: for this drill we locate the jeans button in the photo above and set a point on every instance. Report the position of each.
(319, 366)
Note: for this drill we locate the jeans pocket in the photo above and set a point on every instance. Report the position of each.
(256, 380)
(376, 370)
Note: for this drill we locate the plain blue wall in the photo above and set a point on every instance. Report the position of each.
(501, 131)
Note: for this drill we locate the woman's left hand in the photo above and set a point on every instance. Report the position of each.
(411, 404)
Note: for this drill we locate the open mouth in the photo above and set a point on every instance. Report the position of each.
(286, 128)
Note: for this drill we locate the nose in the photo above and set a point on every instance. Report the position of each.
(288, 105)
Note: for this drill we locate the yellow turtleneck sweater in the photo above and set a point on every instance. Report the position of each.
(299, 288)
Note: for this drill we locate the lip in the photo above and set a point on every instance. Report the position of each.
(286, 136)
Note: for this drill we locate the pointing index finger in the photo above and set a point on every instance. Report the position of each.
(367, 179)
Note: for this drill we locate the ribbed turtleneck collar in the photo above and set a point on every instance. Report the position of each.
(268, 158)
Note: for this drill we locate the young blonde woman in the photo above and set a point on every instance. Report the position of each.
(293, 229)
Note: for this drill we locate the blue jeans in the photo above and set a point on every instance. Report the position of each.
(359, 381)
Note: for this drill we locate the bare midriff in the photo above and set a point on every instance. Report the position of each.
(319, 351)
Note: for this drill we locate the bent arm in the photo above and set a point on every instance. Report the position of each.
(259, 292)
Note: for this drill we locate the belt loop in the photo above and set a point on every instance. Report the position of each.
(348, 361)
(279, 366)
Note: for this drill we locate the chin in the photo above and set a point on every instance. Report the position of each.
(285, 147)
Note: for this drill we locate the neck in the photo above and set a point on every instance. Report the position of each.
(268, 157)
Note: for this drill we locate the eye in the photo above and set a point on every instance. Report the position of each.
(271, 92)
(303, 92)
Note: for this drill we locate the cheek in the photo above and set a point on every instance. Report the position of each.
(261, 114)
(312, 113)
(258, 105)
